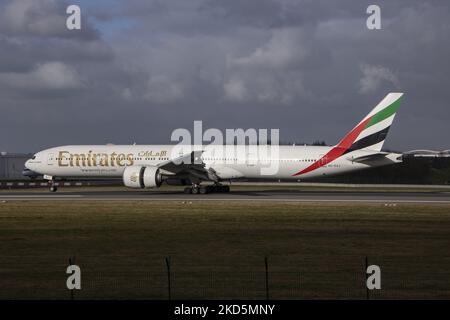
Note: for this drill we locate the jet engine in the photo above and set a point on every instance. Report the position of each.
(142, 177)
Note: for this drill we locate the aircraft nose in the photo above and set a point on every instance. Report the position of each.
(29, 165)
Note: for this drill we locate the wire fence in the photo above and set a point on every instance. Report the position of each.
(169, 280)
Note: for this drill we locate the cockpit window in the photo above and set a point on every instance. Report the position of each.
(33, 157)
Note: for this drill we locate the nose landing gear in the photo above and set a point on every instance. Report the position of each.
(52, 186)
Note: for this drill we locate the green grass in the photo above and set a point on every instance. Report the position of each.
(217, 249)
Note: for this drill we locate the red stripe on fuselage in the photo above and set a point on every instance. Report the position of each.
(337, 151)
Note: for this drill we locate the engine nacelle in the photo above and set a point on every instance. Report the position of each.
(142, 177)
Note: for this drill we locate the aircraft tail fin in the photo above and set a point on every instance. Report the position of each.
(371, 132)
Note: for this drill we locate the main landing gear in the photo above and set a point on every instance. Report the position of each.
(215, 188)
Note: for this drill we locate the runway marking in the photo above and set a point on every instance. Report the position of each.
(287, 200)
(38, 196)
(87, 198)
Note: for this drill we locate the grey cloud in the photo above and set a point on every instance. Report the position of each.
(40, 58)
(47, 76)
(271, 72)
(373, 76)
(139, 69)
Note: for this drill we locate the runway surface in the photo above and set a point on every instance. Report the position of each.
(278, 195)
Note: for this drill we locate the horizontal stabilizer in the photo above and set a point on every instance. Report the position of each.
(370, 157)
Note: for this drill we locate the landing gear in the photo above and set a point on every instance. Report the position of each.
(195, 189)
(216, 188)
(53, 187)
(188, 190)
(221, 188)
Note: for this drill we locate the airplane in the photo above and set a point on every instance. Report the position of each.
(148, 166)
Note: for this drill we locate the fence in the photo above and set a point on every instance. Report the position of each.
(306, 280)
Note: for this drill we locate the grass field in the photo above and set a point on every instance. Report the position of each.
(217, 249)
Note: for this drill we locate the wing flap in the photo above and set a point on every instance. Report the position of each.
(191, 160)
(191, 165)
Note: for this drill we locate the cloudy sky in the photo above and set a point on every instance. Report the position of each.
(140, 69)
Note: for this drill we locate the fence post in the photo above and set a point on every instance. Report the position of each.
(168, 277)
(366, 276)
(267, 277)
(72, 291)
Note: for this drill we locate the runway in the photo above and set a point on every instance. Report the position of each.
(278, 195)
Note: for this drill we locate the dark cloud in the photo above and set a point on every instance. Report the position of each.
(39, 18)
(139, 69)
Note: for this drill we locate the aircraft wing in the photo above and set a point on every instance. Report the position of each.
(190, 164)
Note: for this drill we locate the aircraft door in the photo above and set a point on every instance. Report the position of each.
(251, 159)
(50, 159)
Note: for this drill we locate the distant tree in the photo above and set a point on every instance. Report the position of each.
(319, 143)
(301, 143)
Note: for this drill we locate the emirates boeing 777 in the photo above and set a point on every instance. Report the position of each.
(148, 166)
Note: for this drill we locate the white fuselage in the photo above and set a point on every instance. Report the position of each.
(228, 162)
